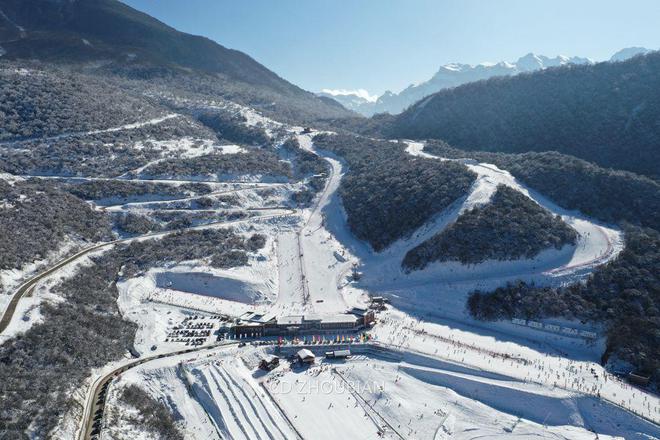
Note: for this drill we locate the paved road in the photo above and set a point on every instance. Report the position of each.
(28, 286)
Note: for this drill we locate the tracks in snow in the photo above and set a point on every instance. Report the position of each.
(241, 412)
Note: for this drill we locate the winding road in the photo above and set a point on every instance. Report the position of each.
(96, 397)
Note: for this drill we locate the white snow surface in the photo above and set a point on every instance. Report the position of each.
(596, 245)
(442, 287)
(163, 296)
(399, 393)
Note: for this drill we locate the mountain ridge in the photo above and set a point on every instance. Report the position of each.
(456, 74)
(117, 38)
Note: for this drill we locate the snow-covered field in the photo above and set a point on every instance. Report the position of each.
(377, 393)
(234, 400)
(161, 296)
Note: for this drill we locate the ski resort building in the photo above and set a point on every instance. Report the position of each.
(254, 325)
(305, 356)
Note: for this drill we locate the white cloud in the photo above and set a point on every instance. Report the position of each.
(361, 93)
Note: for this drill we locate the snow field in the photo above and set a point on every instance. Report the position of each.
(161, 297)
(429, 403)
(321, 407)
(519, 360)
(168, 381)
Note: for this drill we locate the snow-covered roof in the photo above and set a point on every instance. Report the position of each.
(261, 318)
(359, 311)
(343, 317)
(304, 353)
(290, 320)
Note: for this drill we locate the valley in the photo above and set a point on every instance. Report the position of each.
(312, 279)
(193, 247)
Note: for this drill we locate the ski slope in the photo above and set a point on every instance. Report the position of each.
(596, 244)
(239, 408)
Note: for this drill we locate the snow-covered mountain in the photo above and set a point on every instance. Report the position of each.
(449, 75)
(355, 100)
(629, 52)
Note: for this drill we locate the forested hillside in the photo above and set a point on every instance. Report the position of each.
(43, 366)
(39, 102)
(624, 294)
(98, 190)
(255, 161)
(608, 114)
(607, 195)
(232, 127)
(387, 193)
(36, 217)
(510, 227)
(110, 37)
(307, 167)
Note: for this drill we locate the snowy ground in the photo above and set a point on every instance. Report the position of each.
(378, 393)
(522, 356)
(597, 243)
(182, 148)
(162, 296)
(428, 399)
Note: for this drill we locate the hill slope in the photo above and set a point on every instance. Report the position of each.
(512, 226)
(608, 113)
(118, 38)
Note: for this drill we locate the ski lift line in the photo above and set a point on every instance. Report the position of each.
(363, 402)
(281, 410)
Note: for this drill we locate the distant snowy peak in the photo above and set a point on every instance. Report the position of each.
(532, 62)
(447, 76)
(356, 100)
(527, 63)
(629, 52)
(357, 93)
(456, 74)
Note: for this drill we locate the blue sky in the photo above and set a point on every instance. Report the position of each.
(388, 44)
